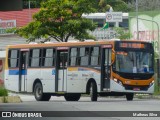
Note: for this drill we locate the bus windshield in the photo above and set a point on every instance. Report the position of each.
(134, 62)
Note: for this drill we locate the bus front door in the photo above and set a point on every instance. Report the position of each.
(61, 70)
(105, 69)
(23, 70)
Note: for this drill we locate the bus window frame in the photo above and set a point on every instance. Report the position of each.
(13, 58)
(99, 56)
(69, 56)
(78, 56)
(54, 57)
(29, 58)
(85, 55)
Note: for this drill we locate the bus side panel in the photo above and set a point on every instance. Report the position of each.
(87, 74)
(11, 80)
(32, 75)
(74, 82)
(77, 79)
(48, 79)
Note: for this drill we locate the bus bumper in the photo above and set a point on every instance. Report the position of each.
(115, 87)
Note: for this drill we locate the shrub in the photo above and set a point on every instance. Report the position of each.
(3, 92)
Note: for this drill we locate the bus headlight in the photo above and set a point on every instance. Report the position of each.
(151, 83)
(119, 82)
(115, 79)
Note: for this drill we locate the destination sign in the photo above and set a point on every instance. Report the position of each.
(132, 45)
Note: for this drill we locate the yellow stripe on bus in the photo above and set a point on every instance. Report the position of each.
(83, 68)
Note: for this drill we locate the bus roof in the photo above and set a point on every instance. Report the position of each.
(68, 44)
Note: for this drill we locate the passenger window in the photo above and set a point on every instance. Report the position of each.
(48, 57)
(13, 58)
(35, 58)
(84, 56)
(73, 56)
(95, 56)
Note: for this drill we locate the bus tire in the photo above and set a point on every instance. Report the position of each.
(129, 96)
(38, 93)
(46, 97)
(93, 91)
(72, 96)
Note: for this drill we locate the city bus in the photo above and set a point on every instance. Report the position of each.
(70, 69)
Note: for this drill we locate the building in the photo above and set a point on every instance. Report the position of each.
(11, 19)
(100, 19)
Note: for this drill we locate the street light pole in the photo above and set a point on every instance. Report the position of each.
(137, 19)
(29, 6)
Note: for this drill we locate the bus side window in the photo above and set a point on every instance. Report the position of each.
(73, 56)
(95, 56)
(23, 60)
(63, 60)
(35, 58)
(84, 56)
(13, 58)
(48, 57)
(108, 56)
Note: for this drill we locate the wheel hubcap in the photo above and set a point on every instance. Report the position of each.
(91, 90)
(38, 92)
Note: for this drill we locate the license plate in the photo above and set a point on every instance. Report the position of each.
(136, 89)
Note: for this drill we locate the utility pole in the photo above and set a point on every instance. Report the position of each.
(137, 19)
(29, 7)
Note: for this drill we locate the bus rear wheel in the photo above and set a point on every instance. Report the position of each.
(129, 96)
(72, 96)
(93, 91)
(38, 93)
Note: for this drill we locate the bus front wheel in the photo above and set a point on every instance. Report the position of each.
(72, 96)
(129, 96)
(38, 93)
(93, 91)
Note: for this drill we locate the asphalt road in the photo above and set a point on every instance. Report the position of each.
(115, 108)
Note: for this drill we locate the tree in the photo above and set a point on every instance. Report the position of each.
(117, 5)
(32, 3)
(122, 34)
(120, 5)
(60, 19)
(103, 6)
(145, 5)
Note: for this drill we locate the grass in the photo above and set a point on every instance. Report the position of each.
(156, 87)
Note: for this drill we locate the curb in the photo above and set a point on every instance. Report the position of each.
(10, 99)
(147, 96)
